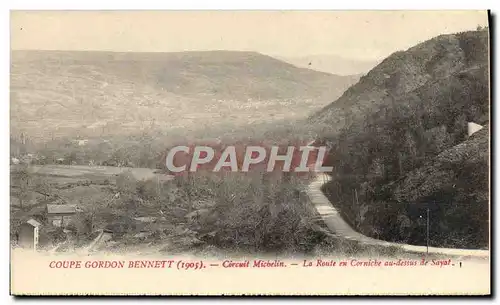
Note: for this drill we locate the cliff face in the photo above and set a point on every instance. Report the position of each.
(401, 146)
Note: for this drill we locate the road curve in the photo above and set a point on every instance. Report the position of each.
(337, 225)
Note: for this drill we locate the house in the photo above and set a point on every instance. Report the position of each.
(80, 142)
(472, 128)
(143, 235)
(29, 233)
(60, 215)
(145, 219)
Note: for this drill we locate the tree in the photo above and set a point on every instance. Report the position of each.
(23, 180)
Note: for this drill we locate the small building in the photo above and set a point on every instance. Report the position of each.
(60, 215)
(145, 219)
(143, 235)
(81, 142)
(29, 233)
(472, 128)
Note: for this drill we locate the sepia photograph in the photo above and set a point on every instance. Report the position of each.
(250, 152)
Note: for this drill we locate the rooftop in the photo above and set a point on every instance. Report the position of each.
(34, 222)
(61, 208)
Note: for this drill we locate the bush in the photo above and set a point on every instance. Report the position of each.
(126, 183)
(257, 212)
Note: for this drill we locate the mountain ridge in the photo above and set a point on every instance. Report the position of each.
(68, 91)
(332, 63)
(392, 77)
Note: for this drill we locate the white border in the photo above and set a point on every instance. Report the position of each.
(255, 4)
(179, 5)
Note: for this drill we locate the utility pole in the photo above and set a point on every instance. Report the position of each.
(357, 209)
(427, 231)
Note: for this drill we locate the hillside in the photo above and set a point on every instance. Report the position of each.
(400, 143)
(403, 73)
(58, 93)
(454, 185)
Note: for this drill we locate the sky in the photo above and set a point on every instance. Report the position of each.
(367, 35)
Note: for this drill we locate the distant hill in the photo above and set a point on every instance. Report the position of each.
(332, 64)
(400, 142)
(67, 92)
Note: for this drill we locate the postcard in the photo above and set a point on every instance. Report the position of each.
(196, 153)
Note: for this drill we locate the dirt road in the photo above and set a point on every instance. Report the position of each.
(337, 225)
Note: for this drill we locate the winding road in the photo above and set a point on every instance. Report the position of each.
(338, 226)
